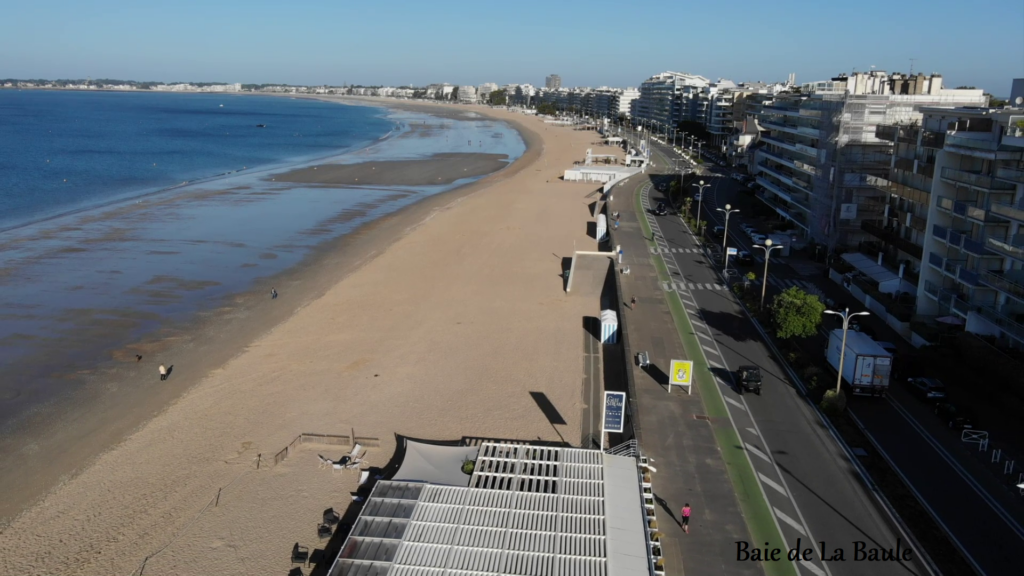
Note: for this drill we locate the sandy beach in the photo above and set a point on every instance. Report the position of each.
(436, 322)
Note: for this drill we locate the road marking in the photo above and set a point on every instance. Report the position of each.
(691, 285)
(699, 323)
(735, 403)
(752, 431)
(814, 569)
(707, 349)
(771, 482)
(716, 364)
(665, 286)
(750, 448)
(703, 335)
(782, 516)
(719, 287)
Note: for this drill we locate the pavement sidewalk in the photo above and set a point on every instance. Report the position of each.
(677, 433)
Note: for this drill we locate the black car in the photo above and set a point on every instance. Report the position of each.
(743, 257)
(956, 417)
(927, 388)
(661, 210)
(750, 379)
(718, 231)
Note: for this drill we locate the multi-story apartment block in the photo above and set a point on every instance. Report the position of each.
(965, 167)
(622, 102)
(821, 164)
(467, 94)
(553, 82)
(668, 98)
(484, 90)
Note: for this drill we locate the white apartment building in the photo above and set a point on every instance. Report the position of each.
(484, 90)
(821, 165)
(666, 99)
(622, 102)
(467, 94)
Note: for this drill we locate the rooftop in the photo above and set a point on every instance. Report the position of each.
(527, 510)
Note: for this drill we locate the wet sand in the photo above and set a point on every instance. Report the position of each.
(437, 321)
(437, 169)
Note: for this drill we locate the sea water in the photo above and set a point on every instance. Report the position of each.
(112, 256)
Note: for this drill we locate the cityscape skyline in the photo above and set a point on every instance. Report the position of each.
(342, 45)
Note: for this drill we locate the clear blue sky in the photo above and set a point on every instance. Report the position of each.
(591, 43)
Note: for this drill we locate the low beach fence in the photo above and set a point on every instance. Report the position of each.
(325, 439)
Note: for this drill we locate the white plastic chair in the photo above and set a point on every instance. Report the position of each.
(363, 477)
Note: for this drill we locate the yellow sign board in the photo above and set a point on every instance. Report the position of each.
(681, 373)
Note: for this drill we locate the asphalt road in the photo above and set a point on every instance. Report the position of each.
(832, 505)
(830, 497)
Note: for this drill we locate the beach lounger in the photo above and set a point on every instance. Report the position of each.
(354, 454)
(324, 462)
(300, 554)
(331, 517)
(363, 477)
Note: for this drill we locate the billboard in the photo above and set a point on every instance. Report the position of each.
(847, 211)
(614, 411)
(681, 374)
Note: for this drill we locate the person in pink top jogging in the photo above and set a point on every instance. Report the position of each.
(686, 518)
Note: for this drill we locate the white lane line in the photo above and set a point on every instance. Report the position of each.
(736, 404)
(707, 349)
(702, 335)
(665, 286)
(716, 364)
(750, 448)
(699, 323)
(793, 523)
(772, 483)
(752, 431)
(812, 568)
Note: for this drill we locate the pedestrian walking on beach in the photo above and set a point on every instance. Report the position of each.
(163, 372)
(686, 518)
(273, 293)
(632, 303)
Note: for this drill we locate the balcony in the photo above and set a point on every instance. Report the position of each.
(893, 132)
(976, 180)
(791, 146)
(1010, 211)
(892, 238)
(791, 179)
(1008, 319)
(931, 289)
(1012, 247)
(1013, 131)
(933, 140)
(1011, 174)
(986, 148)
(795, 164)
(784, 211)
(1010, 282)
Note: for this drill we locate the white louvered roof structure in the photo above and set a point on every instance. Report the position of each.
(528, 511)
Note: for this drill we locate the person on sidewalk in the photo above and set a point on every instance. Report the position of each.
(163, 372)
(632, 303)
(273, 293)
(686, 517)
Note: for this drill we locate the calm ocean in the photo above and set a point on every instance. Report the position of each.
(62, 151)
(121, 253)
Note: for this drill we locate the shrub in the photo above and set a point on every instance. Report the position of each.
(796, 313)
(833, 403)
(812, 377)
(653, 525)
(468, 466)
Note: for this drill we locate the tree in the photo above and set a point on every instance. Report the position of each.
(498, 97)
(796, 313)
(547, 108)
(455, 93)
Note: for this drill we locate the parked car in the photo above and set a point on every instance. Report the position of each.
(661, 210)
(927, 388)
(956, 417)
(718, 231)
(743, 257)
(748, 228)
(696, 197)
(758, 239)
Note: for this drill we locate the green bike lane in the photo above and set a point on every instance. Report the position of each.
(699, 455)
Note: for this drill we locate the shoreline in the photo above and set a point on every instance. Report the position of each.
(211, 340)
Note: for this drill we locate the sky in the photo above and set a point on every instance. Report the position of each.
(595, 43)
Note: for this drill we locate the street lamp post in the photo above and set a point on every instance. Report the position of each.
(767, 253)
(725, 235)
(700, 199)
(845, 315)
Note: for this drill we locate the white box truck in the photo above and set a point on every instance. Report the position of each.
(866, 365)
(783, 240)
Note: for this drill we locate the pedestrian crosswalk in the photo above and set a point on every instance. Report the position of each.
(805, 285)
(686, 286)
(655, 250)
